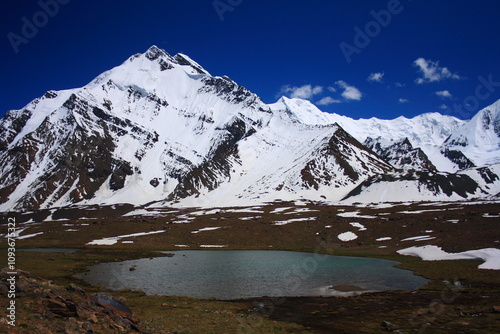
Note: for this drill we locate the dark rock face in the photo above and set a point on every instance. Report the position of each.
(217, 167)
(353, 159)
(181, 60)
(80, 149)
(401, 154)
(458, 158)
(438, 183)
(488, 175)
(229, 90)
(490, 121)
(13, 123)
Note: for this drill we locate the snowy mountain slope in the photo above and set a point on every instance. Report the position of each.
(483, 182)
(161, 127)
(427, 131)
(120, 131)
(478, 139)
(312, 162)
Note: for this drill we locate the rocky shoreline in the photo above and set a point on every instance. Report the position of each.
(44, 307)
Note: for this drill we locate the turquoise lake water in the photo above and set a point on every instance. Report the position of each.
(228, 274)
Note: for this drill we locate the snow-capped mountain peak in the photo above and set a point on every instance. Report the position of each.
(303, 111)
(479, 139)
(162, 128)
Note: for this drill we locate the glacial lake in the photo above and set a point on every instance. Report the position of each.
(228, 274)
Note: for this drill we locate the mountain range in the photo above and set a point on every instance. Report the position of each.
(161, 130)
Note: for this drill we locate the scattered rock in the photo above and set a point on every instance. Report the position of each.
(388, 325)
(53, 309)
(5, 273)
(111, 304)
(59, 308)
(74, 288)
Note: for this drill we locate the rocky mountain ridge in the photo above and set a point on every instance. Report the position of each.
(162, 129)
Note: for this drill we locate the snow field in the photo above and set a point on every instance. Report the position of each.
(347, 236)
(113, 240)
(490, 256)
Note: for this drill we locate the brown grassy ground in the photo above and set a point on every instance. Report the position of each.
(455, 227)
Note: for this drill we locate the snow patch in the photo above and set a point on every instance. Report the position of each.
(208, 212)
(490, 256)
(27, 236)
(284, 222)
(206, 229)
(301, 210)
(419, 238)
(278, 210)
(354, 214)
(359, 226)
(347, 236)
(17, 232)
(143, 213)
(213, 246)
(113, 240)
(250, 218)
(424, 211)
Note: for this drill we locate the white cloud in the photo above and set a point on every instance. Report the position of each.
(443, 107)
(431, 72)
(445, 94)
(327, 100)
(331, 89)
(401, 100)
(302, 92)
(350, 92)
(376, 77)
(399, 84)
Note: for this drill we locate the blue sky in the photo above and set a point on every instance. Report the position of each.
(356, 58)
